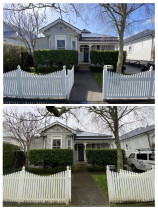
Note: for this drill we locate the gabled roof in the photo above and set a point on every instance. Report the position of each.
(56, 123)
(136, 132)
(10, 34)
(83, 135)
(140, 35)
(59, 21)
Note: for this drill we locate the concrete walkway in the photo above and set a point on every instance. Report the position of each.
(85, 191)
(86, 89)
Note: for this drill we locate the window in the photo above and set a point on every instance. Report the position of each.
(152, 156)
(130, 49)
(60, 44)
(93, 146)
(73, 45)
(69, 144)
(127, 147)
(132, 155)
(56, 142)
(142, 156)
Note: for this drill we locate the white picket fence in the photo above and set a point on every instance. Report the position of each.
(128, 186)
(30, 188)
(137, 86)
(57, 85)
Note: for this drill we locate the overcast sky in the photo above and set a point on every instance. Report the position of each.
(86, 121)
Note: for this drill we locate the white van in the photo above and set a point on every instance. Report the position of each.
(141, 160)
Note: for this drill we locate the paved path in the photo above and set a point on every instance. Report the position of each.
(85, 191)
(85, 88)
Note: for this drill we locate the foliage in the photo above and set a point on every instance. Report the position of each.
(102, 157)
(99, 78)
(26, 59)
(56, 57)
(96, 169)
(12, 56)
(13, 158)
(106, 57)
(51, 157)
(46, 171)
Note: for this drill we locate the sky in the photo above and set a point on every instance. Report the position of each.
(91, 22)
(87, 122)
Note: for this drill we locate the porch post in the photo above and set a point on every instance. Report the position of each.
(90, 45)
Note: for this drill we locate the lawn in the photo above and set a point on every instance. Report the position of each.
(99, 78)
(101, 180)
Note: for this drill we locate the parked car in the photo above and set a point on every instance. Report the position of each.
(147, 67)
(141, 160)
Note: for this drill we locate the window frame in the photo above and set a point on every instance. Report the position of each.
(58, 38)
(56, 138)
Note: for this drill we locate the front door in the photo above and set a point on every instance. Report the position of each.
(81, 152)
(86, 54)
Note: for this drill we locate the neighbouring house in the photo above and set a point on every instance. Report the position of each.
(58, 135)
(62, 35)
(10, 35)
(140, 138)
(9, 138)
(140, 46)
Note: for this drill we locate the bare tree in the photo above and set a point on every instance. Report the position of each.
(23, 126)
(26, 23)
(120, 15)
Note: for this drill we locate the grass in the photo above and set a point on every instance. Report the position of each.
(99, 78)
(101, 180)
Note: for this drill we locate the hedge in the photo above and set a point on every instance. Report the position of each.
(102, 157)
(12, 157)
(106, 57)
(51, 157)
(56, 57)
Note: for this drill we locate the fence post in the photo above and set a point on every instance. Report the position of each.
(151, 82)
(21, 184)
(64, 83)
(19, 82)
(67, 186)
(104, 82)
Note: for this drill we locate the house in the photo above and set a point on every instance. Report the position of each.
(140, 46)
(9, 138)
(62, 35)
(10, 35)
(140, 138)
(58, 135)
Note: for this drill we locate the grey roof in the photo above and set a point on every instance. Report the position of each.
(137, 132)
(89, 135)
(9, 34)
(139, 35)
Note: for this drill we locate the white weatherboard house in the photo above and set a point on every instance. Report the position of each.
(139, 47)
(62, 35)
(58, 135)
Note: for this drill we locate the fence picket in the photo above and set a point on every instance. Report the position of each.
(131, 187)
(141, 85)
(26, 187)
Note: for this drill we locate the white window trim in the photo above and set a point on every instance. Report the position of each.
(73, 38)
(57, 37)
(130, 51)
(56, 137)
(70, 143)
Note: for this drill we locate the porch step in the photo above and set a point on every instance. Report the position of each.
(84, 67)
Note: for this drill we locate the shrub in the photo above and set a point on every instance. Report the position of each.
(102, 157)
(12, 157)
(51, 157)
(56, 57)
(46, 171)
(106, 57)
(11, 56)
(96, 168)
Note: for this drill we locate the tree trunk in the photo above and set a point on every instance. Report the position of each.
(120, 55)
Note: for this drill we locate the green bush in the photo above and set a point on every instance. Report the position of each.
(46, 171)
(51, 157)
(102, 157)
(56, 57)
(13, 158)
(96, 169)
(12, 56)
(106, 57)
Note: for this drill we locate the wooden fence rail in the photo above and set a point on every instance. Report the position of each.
(30, 188)
(23, 84)
(137, 86)
(131, 187)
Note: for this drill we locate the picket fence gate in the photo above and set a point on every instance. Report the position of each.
(30, 188)
(57, 85)
(137, 86)
(128, 186)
